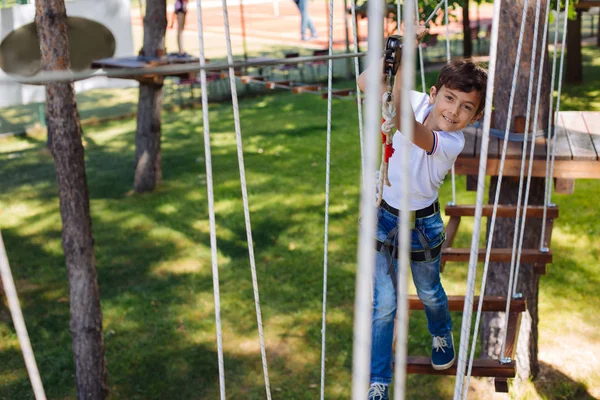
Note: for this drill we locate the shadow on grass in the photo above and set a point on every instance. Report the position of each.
(553, 384)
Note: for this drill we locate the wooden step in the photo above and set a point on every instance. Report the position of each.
(490, 303)
(531, 256)
(252, 78)
(340, 93)
(276, 84)
(481, 367)
(306, 89)
(503, 211)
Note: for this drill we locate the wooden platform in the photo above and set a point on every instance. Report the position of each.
(137, 62)
(577, 150)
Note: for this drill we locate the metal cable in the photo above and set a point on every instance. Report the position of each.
(468, 306)
(240, 152)
(211, 205)
(358, 91)
(421, 64)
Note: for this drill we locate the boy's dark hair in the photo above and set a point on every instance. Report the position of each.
(466, 76)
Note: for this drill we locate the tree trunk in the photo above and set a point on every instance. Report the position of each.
(574, 72)
(467, 42)
(78, 242)
(493, 323)
(147, 153)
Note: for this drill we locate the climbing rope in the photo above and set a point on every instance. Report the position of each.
(553, 119)
(211, 204)
(240, 153)
(361, 349)
(497, 194)
(388, 116)
(19, 323)
(473, 259)
(327, 186)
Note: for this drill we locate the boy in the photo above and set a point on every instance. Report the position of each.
(456, 100)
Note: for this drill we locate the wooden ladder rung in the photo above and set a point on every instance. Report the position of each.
(533, 256)
(306, 88)
(251, 78)
(481, 367)
(340, 93)
(503, 211)
(490, 303)
(275, 84)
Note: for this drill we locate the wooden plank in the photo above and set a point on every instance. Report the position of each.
(592, 121)
(278, 84)
(578, 136)
(252, 78)
(501, 385)
(514, 324)
(481, 367)
(563, 149)
(498, 255)
(340, 93)
(306, 88)
(562, 168)
(564, 186)
(503, 211)
(490, 303)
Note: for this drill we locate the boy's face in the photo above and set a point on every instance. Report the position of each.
(452, 108)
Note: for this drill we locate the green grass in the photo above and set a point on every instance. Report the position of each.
(154, 265)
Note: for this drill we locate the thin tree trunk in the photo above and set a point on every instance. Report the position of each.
(574, 72)
(467, 42)
(148, 153)
(78, 242)
(498, 277)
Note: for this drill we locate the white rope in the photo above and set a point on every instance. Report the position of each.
(550, 174)
(19, 323)
(468, 306)
(448, 59)
(407, 129)
(327, 172)
(361, 352)
(490, 238)
(358, 91)
(531, 153)
(211, 205)
(240, 152)
(420, 44)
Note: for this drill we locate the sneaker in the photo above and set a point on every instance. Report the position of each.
(378, 391)
(442, 352)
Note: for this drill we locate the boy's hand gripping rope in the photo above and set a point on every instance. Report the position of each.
(391, 63)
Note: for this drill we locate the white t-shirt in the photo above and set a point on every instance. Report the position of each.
(427, 170)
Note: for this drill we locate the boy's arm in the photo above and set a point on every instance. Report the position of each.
(422, 136)
(362, 78)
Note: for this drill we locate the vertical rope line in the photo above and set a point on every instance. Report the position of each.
(19, 323)
(551, 128)
(407, 129)
(399, 16)
(211, 204)
(448, 59)
(420, 45)
(327, 173)
(531, 152)
(362, 303)
(490, 239)
(560, 79)
(358, 92)
(240, 153)
(468, 306)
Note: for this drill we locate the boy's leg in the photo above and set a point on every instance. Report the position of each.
(384, 306)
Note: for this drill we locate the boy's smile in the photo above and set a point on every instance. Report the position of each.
(452, 109)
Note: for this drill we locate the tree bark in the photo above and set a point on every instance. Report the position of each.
(498, 276)
(148, 153)
(467, 42)
(574, 72)
(77, 239)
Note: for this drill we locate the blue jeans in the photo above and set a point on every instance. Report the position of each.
(426, 277)
(305, 19)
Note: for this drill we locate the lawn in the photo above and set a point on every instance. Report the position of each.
(154, 266)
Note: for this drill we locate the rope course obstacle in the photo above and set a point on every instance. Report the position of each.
(502, 369)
